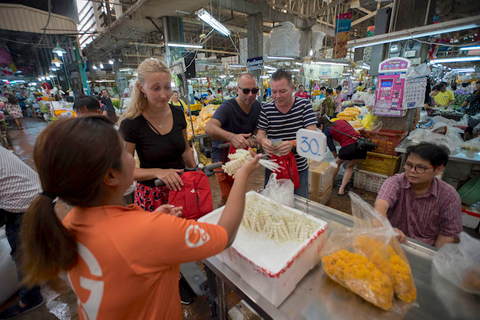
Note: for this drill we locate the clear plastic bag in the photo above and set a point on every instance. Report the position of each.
(368, 260)
(280, 190)
(460, 263)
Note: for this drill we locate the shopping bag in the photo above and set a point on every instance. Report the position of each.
(195, 196)
(368, 260)
(289, 169)
(460, 263)
(280, 190)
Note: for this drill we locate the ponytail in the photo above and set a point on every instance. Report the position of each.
(48, 247)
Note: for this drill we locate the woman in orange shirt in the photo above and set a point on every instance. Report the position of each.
(122, 261)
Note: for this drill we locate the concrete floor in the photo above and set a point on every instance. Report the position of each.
(63, 304)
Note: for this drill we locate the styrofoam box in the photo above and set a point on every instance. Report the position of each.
(271, 267)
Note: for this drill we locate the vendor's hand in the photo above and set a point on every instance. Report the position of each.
(250, 166)
(171, 178)
(252, 142)
(239, 141)
(400, 236)
(170, 209)
(267, 146)
(284, 148)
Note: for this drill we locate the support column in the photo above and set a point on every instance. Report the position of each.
(172, 31)
(255, 40)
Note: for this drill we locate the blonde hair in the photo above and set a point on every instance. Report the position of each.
(138, 100)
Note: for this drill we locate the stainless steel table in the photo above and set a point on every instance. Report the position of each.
(470, 156)
(318, 297)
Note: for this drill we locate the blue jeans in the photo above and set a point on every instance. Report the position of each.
(302, 190)
(28, 296)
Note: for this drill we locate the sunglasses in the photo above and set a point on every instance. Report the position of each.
(247, 91)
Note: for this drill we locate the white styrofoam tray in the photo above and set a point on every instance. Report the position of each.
(271, 267)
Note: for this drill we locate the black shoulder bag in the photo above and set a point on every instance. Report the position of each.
(363, 143)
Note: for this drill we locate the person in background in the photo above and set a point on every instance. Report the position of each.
(235, 121)
(14, 110)
(417, 203)
(109, 108)
(19, 185)
(280, 119)
(175, 101)
(301, 92)
(322, 94)
(209, 95)
(87, 106)
(348, 151)
(338, 101)
(122, 262)
(328, 105)
(445, 97)
(473, 102)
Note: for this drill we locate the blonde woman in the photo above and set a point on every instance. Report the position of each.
(157, 131)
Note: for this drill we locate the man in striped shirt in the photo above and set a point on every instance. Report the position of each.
(280, 119)
(417, 203)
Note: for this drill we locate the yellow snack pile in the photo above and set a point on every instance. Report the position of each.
(349, 113)
(356, 273)
(200, 122)
(402, 278)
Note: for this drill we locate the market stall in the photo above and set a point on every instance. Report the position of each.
(318, 297)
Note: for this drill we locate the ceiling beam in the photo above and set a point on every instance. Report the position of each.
(325, 8)
(368, 16)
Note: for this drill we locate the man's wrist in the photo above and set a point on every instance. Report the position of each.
(230, 137)
(294, 142)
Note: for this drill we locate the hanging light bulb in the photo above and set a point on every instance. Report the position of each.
(58, 50)
(101, 65)
(111, 61)
(94, 67)
(56, 62)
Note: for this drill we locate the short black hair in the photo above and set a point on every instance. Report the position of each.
(339, 88)
(101, 91)
(90, 103)
(325, 122)
(436, 154)
(442, 84)
(282, 74)
(323, 88)
(329, 91)
(437, 87)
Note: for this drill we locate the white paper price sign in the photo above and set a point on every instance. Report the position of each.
(311, 144)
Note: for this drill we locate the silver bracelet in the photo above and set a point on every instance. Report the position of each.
(231, 137)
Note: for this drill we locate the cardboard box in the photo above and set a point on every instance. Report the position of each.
(320, 179)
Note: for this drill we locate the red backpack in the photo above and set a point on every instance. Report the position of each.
(289, 168)
(195, 196)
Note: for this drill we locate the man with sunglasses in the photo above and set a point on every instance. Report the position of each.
(235, 121)
(418, 204)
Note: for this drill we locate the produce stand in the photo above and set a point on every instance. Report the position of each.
(319, 297)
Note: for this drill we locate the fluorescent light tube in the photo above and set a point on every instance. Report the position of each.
(280, 58)
(463, 70)
(295, 70)
(470, 48)
(298, 63)
(424, 31)
(457, 59)
(269, 68)
(237, 66)
(264, 77)
(206, 17)
(330, 63)
(185, 45)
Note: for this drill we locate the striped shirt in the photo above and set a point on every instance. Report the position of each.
(19, 184)
(285, 126)
(423, 217)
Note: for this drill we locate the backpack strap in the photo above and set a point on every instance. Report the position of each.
(345, 134)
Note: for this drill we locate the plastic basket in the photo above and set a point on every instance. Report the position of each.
(368, 180)
(380, 163)
(386, 140)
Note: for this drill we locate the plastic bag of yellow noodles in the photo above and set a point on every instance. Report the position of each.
(368, 260)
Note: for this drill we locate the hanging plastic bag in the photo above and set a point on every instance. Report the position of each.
(8, 272)
(280, 190)
(368, 260)
(460, 263)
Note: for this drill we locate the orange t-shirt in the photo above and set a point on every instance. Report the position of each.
(129, 260)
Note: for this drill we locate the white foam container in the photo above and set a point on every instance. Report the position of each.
(271, 267)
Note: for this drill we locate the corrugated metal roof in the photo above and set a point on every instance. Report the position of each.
(16, 17)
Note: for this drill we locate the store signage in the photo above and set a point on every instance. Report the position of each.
(255, 63)
(342, 34)
(311, 144)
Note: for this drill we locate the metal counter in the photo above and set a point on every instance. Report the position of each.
(470, 156)
(319, 297)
